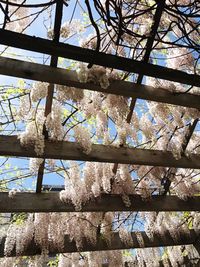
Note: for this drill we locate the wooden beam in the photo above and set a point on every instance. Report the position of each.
(50, 202)
(49, 98)
(10, 146)
(39, 72)
(41, 45)
(189, 134)
(115, 244)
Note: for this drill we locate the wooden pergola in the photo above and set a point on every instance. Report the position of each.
(50, 202)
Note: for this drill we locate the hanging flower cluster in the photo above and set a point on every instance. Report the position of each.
(47, 230)
(96, 75)
(67, 29)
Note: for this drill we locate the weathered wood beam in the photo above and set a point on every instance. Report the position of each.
(41, 45)
(10, 146)
(102, 244)
(50, 202)
(39, 72)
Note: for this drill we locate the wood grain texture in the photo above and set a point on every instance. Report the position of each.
(10, 146)
(39, 72)
(45, 46)
(50, 202)
(115, 244)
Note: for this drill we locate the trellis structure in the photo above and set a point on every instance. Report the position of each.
(50, 202)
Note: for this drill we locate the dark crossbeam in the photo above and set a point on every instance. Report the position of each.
(41, 45)
(50, 202)
(33, 71)
(102, 244)
(10, 146)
